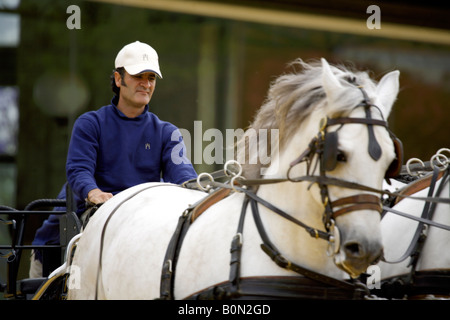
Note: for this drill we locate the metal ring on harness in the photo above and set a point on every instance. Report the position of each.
(441, 165)
(233, 184)
(408, 163)
(208, 186)
(228, 172)
(443, 150)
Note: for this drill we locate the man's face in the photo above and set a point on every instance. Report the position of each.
(137, 90)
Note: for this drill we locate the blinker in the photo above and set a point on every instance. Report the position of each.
(330, 151)
(374, 147)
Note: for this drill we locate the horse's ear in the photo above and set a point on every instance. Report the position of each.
(387, 90)
(331, 83)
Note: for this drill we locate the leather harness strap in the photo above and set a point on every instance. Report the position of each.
(356, 202)
(416, 186)
(207, 202)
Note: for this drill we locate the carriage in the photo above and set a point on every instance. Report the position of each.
(244, 238)
(53, 254)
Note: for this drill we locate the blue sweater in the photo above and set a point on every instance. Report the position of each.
(112, 152)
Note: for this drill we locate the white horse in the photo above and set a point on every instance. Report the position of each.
(121, 252)
(431, 273)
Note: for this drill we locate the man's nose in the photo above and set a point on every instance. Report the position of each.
(146, 83)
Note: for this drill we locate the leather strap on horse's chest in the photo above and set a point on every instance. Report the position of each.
(277, 287)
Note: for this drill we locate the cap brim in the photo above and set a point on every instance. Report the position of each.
(140, 68)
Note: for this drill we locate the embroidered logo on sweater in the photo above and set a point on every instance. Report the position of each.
(147, 146)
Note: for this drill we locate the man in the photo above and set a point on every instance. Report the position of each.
(123, 144)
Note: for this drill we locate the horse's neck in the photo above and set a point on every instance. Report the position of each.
(292, 240)
(299, 201)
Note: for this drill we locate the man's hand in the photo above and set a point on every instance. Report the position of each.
(97, 196)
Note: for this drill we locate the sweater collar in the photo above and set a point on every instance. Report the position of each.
(115, 101)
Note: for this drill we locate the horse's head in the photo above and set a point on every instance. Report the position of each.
(336, 119)
(357, 147)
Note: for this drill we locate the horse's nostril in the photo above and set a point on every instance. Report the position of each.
(353, 249)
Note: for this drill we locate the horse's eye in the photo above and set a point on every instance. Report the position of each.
(341, 156)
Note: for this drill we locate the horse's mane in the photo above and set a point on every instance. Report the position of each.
(291, 99)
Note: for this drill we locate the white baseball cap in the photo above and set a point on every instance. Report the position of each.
(138, 57)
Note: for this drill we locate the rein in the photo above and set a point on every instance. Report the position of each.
(350, 185)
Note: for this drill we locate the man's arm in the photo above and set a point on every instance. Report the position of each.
(82, 159)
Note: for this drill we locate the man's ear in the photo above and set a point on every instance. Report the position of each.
(117, 79)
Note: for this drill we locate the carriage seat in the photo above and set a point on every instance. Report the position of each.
(30, 286)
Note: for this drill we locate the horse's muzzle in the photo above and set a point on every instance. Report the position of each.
(356, 256)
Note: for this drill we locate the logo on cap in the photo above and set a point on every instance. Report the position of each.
(145, 57)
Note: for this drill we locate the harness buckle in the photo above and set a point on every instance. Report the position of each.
(334, 241)
(323, 124)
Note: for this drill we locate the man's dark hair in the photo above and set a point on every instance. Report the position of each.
(115, 88)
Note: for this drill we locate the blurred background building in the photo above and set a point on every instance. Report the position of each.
(218, 59)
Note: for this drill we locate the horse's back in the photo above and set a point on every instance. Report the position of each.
(119, 231)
